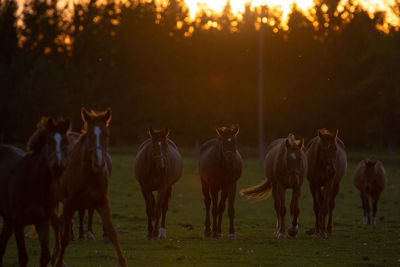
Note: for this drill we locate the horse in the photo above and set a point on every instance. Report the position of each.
(157, 166)
(220, 167)
(327, 164)
(370, 179)
(74, 138)
(84, 183)
(285, 166)
(27, 185)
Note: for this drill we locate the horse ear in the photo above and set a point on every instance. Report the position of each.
(66, 125)
(320, 134)
(166, 132)
(219, 131)
(151, 131)
(301, 144)
(336, 135)
(235, 129)
(85, 115)
(107, 116)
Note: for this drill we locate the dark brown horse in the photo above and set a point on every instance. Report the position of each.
(27, 185)
(84, 184)
(220, 166)
(370, 179)
(327, 164)
(285, 167)
(158, 165)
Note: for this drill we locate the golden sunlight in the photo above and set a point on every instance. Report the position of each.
(284, 7)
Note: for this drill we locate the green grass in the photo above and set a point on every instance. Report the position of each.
(352, 243)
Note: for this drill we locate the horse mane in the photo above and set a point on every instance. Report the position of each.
(324, 131)
(38, 138)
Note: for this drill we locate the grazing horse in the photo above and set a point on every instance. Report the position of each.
(157, 166)
(27, 185)
(84, 184)
(285, 166)
(220, 166)
(327, 164)
(370, 179)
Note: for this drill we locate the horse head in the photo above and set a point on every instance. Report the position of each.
(97, 137)
(370, 164)
(294, 157)
(159, 145)
(56, 145)
(227, 136)
(328, 151)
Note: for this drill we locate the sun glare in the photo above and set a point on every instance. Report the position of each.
(284, 7)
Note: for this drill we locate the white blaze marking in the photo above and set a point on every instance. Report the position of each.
(161, 155)
(229, 139)
(97, 132)
(293, 155)
(57, 137)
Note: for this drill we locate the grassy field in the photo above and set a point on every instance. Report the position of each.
(352, 243)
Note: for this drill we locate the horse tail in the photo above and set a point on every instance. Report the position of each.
(258, 192)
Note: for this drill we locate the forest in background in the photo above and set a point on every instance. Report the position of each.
(155, 67)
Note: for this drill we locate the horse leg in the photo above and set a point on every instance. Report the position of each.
(20, 239)
(66, 236)
(375, 199)
(81, 213)
(332, 204)
(280, 209)
(207, 202)
(328, 189)
(89, 233)
(231, 210)
(294, 212)
(43, 232)
(317, 195)
(105, 214)
(149, 199)
(365, 204)
(163, 231)
(214, 198)
(55, 223)
(6, 232)
(221, 209)
(161, 198)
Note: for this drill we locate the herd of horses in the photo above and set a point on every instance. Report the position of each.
(68, 172)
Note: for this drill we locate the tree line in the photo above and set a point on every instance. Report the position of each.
(155, 67)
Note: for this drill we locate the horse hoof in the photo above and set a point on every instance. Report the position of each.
(90, 235)
(149, 238)
(163, 233)
(217, 235)
(232, 236)
(310, 231)
(280, 235)
(80, 239)
(292, 232)
(106, 240)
